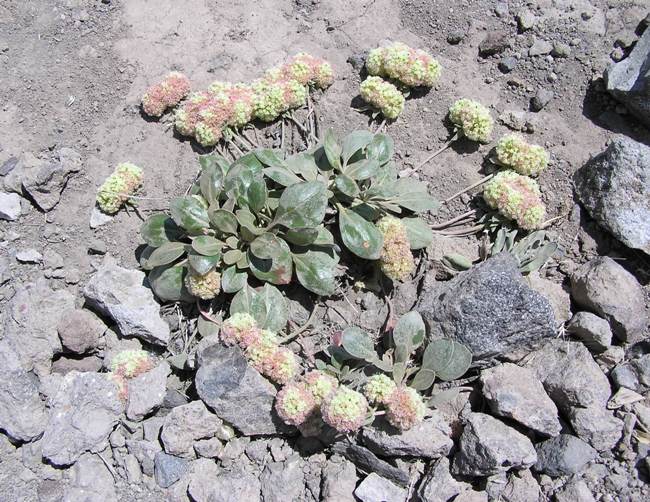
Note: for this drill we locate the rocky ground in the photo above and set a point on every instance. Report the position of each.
(557, 406)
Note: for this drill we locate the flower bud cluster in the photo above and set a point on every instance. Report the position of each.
(119, 187)
(129, 364)
(515, 153)
(473, 119)
(382, 95)
(396, 260)
(203, 286)
(166, 94)
(410, 67)
(517, 198)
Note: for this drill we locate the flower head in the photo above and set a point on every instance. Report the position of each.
(320, 385)
(118, 187)
(131, 363)
(294, 403)
(166, 94)
(378, 388)
(268, 100)
(281, 366)
(396, 260)
(240, 329)
(187, 115)
(375, 62)
(473, 118)
(523, 158)
(345, 410)
(517, 198)
(260, 353)
(404, 408)
(383, 96)
(398, 61)
(204, 286)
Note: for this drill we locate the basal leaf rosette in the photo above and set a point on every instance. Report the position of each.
(119, 187)
(473, 119)
(516, 154)
(517, 198)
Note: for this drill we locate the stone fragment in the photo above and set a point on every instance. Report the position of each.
(80, 331)
(576, 490)
(540, 48)
(374, 488)
(146, 392)
(507, 64)
(64, 365)
(281, 481)
(29, 256)
(438, 485)
(208, 448)
(563, 455)
(367, 461)
(494, 42)
(339, 480)
(525, 20)
(168, 469)
(555, 293)
(9, 206)
(561, 50)
(145, 452)
(91, 481)
(217, 485)
(592, 330)
(597, 426)
(542, 98)
(186, 424)
(521, 487)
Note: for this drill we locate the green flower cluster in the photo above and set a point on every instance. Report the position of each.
(119, 187)
(473, 119)
(410, 67)
(204, 286)
(515, 153)
(517, 198)
(207, 114)
(378, 388)
(404, 406)
(382, 95)
(126, 365)
(166, 94)
(396, 260)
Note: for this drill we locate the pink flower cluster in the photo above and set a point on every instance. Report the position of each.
(166, 94)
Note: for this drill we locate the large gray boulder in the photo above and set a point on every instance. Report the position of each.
(629, 80)
(490, 309)
(120, 294)
(614, 187)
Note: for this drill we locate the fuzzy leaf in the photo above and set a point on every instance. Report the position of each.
(269, 157)
(359, 235)
(206, 245)
(423, 379)
(232, 256)
(281, 175)
(206, 327)
(302, 205)
(358, 344)
(303, 164)
(267, 306)
(211, 183)
(412, 194)
(301, 236)
(346, 185)
(315, 271)
(354, 142)
(167, 283)
(223, 220)
(190, 214)
(408, 335)
(270, 259)
(362, 169)
(202, 264)
(232, 280)
(166, 254)
(448, 358)
(381, 148)
(332, 149)
(418, 232)
(158, 229)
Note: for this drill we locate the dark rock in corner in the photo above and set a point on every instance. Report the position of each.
(541, 99)
(494, 43)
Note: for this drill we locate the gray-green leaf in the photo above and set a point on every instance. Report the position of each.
(302, 205)
(359, 235)
(315, 271)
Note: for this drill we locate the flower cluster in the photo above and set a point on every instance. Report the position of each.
(261, 348)
(398, 61)
(404, 408)
(513, 152)
(119, 187)
(204, 286)
(473, 119)
(396, 260)
(166, 94)
(345, 410)
(378, 388)
(207, 114)
(517, 198)
(382, 95)
(129, 364)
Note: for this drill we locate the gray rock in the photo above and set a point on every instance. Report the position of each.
(236, 392)
(614, 188)
(438, 485)
(525, 20)
(456, 37)
(29, 256)
(132, 469)
(555, 293)
(283, 481)
(501, 9)
(339, 480)
(629, 82)
(9, 206)
(429, 439)
(91, 481)
(597, 426)
(494, 42)
(145, 452)
(186, 424)
(472, 496)
(22, 413)
(634, 374)
(377, 489)
(540, 48)
(5, 269)
(146, 392)
(542, 98)
(604, 287)
(80, 331)
(507, 64)
(98, 218)
(563, 455)
(64, 365)
(576, 490)
(570, 375)
(488, 446)
(151, 427)
(213, 485)
(83, 414)
(516, 393)
(8, 166)
(561, 50)
(593, 331)
(367, 461)
(521, 487)
(358, 60)
(120, 294)
(30, 321)
(208, 448)
(490, 309)
(168, 469)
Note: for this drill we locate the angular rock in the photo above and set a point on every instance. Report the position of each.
(472, 496)
(215, 485)
(119, 293)
(236, 392)
(29, 256)
(377, 489)
(80, 331)
(488, 446)
(490, 309)
(570, 375)
(506, 65)
(339, 480)
(146, 392)
(186, 424)
(367, 461)
(561, 50)
(22, 413)
(592, 330)
(64, 365)
(145, 452)
(604, 287)
(208, 448)
(541, 98)
(516, 393)
(525, 20)
(168, 469)
(495, 42)
(554, 293)
(521, 487)
(629, 82)
(540, 48)
(98, 218)
(91, 481)
(9, 206)
(30, 320)
(283, 481)
(597, 426)
(438, 485)
(576, 490)
(563, 455)
(634, 374)
(614, 187)
(83, 413)
(429, 439)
